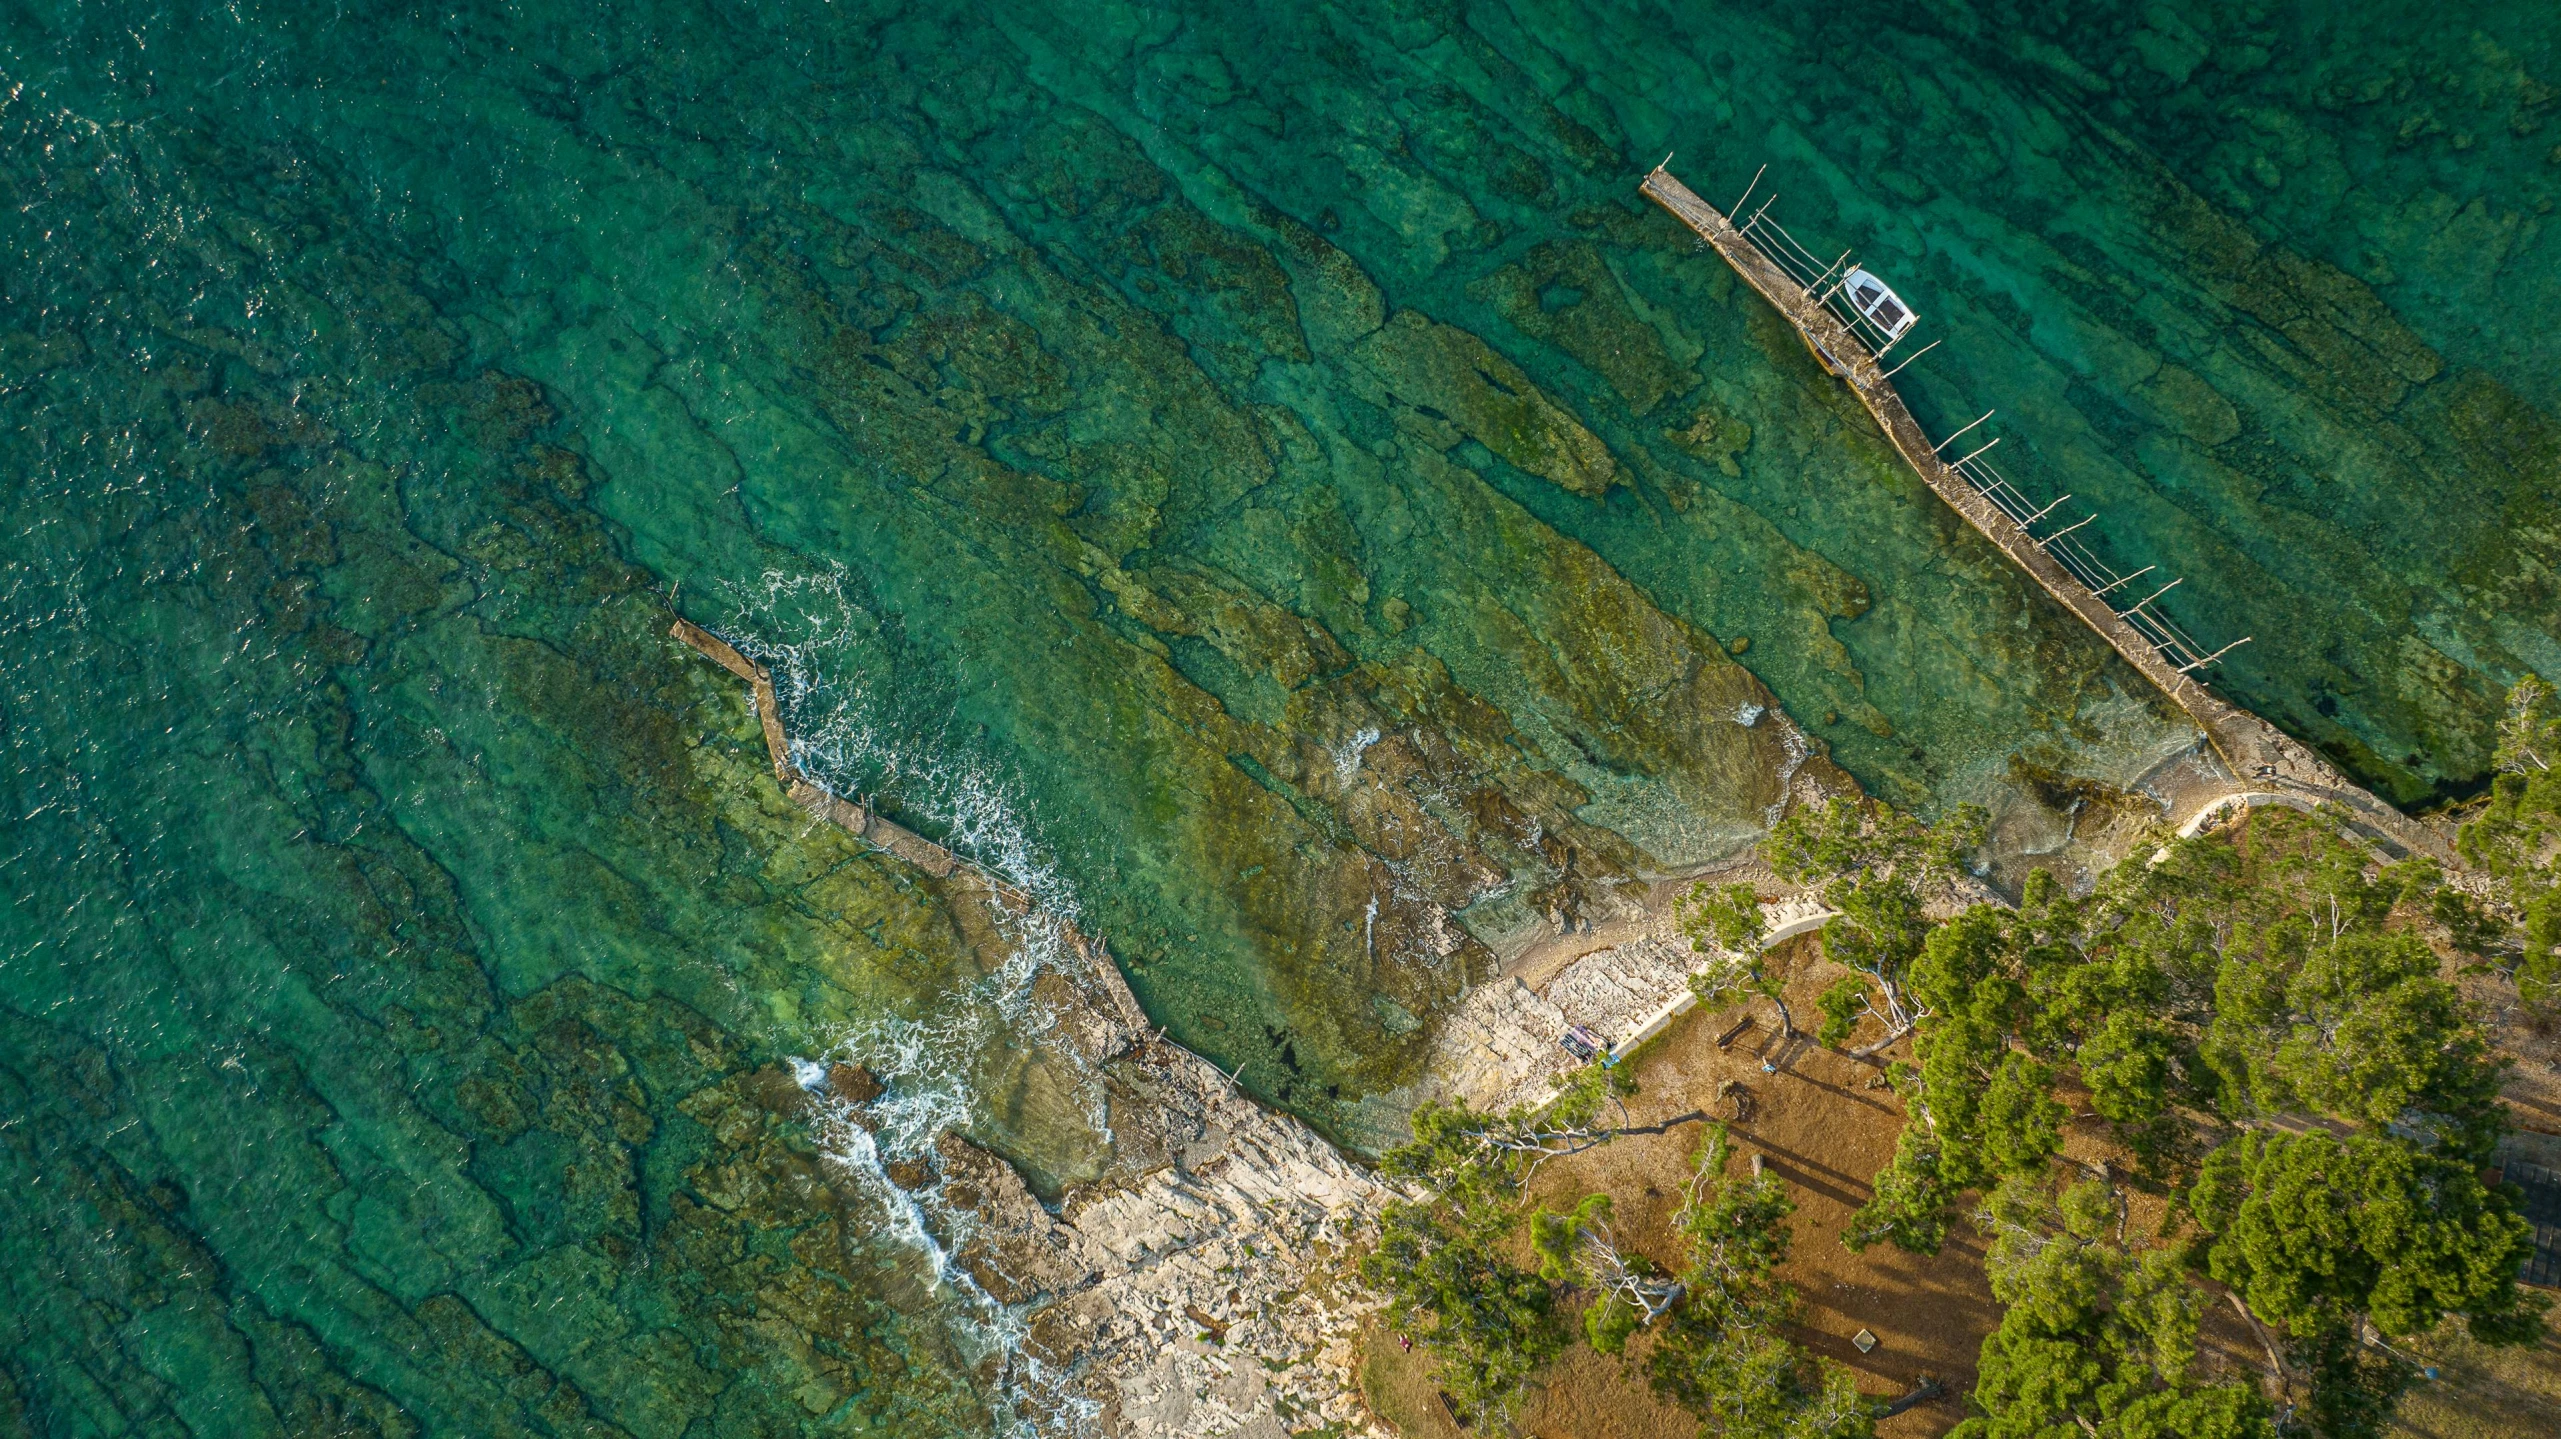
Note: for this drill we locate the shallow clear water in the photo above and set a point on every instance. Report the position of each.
(1259, 476)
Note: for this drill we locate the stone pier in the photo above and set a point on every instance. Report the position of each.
(2259, 755)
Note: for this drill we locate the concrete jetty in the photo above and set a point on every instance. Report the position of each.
(2265, 760)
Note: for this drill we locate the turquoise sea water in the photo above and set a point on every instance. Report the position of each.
(1257, 474)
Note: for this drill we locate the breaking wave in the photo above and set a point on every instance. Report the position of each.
(858, 725)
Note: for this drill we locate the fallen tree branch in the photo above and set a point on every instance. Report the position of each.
(2276, 1366)
(1930, 1388)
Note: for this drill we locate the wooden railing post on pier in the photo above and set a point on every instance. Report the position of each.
(2257, 753)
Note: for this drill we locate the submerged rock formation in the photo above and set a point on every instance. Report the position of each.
(1197, 1287)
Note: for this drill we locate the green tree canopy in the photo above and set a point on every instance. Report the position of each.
(1724, 922)
(1578, 1247)
(2316, 1231)
(1726, 1355)
(1489, 1324)
(2234, 986)
(1443, 1257)
(2279, 975)
(1873, 866)
(2094, 1339)
(2516, 840)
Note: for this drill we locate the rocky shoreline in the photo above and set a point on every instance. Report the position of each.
(1199, 1287)
(1202, 1285)
(1203, 1288)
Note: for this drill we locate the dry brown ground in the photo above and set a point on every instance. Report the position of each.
(2533, 1088)
(1817, 1125)
(2485, 1393)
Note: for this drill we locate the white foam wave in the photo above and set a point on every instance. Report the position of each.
(1347, 755)
(856, 729)
(855, 1148)
(923, 1063)
(853, 722)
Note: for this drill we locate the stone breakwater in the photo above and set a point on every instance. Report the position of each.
(1199, 1287)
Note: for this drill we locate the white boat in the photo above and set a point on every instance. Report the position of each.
(1877, 301)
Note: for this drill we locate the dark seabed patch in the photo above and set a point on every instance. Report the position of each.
(1260, 477)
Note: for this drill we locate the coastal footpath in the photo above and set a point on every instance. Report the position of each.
(1202, 1284)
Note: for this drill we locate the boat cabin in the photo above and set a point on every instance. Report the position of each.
(1883, 308)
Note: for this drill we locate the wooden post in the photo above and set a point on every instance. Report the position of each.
(1737, 207)
(2156, 594)
(2249, 744)
(2067, 529)
(1907, 359)
(2124, 580)
(1950, 440)
(2218, 654)
(1960, 464)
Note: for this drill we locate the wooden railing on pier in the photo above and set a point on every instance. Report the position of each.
(2258, 753)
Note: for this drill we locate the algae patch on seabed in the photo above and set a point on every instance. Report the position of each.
(1536, 721)
(1134, 412)
(454, 1111)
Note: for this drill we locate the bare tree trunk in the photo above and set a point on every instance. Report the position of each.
(2276, 1366)
(1868, 1052)
(1929, 1389)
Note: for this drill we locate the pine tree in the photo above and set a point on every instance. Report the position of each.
(1726, 1355)
(1442, 1257)
(1578, 1247)
(1488, 1324)
(2231, 984)
(2317, 1232)
(1725, 923)
(2513, 841)
(2094, 1339)
(1872, 866)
